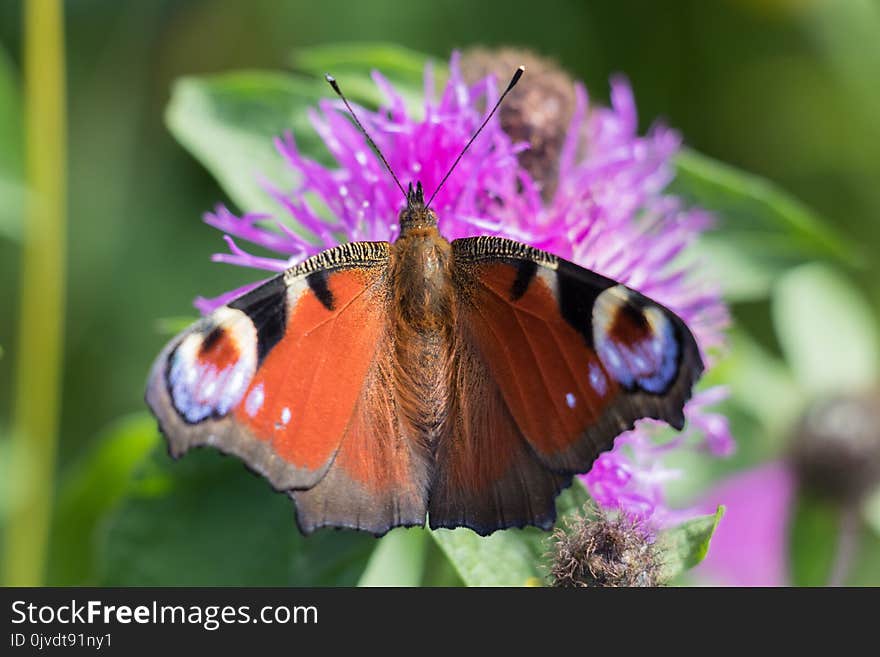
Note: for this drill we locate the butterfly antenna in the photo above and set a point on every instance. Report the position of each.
(516, 76)
(332, 82)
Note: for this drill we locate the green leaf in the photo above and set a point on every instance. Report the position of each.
(339, 59)
(686, 545)
(398, 560)
(505, 558)
(205, 520)
(89, 490)
(826, 330)
(439, 570)
(228, 122)
(776, 401)
(813, 540)
(761, 230)
(11, 155)
(871, 511)
(352, 64)
(511, 557)
(865, 568)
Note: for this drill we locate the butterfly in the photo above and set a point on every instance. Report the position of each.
(459, 383)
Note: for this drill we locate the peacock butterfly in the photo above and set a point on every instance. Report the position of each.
(379, 384)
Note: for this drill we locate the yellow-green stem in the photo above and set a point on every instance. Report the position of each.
(41, 317)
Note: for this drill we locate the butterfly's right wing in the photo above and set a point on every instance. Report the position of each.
(554, 361)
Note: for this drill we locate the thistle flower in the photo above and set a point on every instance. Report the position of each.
(604, 208)
(597, 550)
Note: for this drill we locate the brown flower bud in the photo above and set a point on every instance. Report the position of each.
(835, 449)
(594, 550)
(538, 111)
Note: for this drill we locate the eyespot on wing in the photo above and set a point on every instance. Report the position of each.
(209, 370)
(635, 340)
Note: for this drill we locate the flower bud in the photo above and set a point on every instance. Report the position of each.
(836, 447)
(595, 550)
(537, 113)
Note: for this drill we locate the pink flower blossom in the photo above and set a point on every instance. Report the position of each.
(750, 547)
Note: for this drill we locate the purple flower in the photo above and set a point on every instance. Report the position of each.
(834, 456)
(360, 201)
(750, 548)
(608, 213)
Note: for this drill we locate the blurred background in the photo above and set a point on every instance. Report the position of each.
(785, 89)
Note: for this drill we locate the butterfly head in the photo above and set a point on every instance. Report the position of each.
(416, 215)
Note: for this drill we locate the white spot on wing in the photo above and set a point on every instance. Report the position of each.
(237, 380)
(254, 401)
(570, 400)
(597, 379)
(210, 387)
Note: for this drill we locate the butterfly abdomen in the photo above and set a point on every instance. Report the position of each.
(423, 318)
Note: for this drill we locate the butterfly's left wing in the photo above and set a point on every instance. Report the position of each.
(294, 379)
(563, 361)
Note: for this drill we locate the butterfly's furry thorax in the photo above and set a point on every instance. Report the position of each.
(421, 277)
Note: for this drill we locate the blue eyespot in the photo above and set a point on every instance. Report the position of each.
(201, 387)
(637, 344)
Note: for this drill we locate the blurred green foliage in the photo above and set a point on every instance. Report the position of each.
(89, 490)
(784, 90)
(208, 521)
(11, 187)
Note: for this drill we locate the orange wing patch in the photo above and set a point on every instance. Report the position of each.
(305, 391)
(379, 478)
